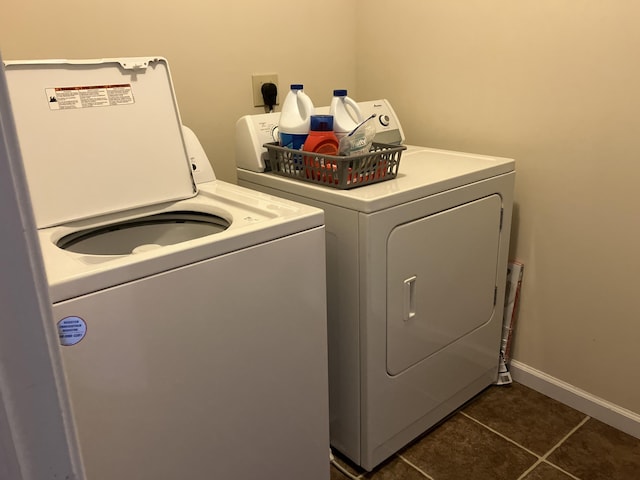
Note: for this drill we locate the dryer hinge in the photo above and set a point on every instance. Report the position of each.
(495, 295)
(501, 217)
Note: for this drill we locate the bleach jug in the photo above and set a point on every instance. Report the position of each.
(295, 118)
(346, 113)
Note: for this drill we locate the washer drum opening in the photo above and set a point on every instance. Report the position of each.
(143, 234)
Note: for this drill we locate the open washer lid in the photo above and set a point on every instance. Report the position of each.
(98, 136)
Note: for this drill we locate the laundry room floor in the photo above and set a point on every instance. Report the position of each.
(512, 433)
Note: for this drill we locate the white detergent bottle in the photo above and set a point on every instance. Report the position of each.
(295, 118)
(346, 113)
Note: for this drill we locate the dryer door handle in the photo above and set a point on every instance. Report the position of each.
(409, 298)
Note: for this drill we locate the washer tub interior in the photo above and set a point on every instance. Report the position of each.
(143, 234)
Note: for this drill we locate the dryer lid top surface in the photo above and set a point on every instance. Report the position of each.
(423, 172)
(98, 136)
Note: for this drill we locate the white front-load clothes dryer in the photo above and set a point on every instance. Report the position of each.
(192, 318)
(416, 269)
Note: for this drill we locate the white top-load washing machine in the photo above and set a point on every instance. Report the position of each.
(192, 319)
(416, 270)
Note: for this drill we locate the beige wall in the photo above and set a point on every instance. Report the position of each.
(213, 48)
(551, 83)
(555, 85)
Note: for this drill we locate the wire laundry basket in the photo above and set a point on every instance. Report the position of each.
(379, 164)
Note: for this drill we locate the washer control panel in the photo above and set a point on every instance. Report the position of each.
(387, 124)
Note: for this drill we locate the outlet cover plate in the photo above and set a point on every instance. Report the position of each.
(258, 81)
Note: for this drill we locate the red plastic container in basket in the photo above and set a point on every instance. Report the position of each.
(379, 164)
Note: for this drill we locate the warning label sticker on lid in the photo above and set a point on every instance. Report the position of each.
(64, 98)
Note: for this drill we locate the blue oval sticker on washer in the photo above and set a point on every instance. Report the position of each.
(71, 330)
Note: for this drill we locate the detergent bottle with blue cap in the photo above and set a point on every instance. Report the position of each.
(321, 137)
(346, 113)
(321, 140)
(295, 118)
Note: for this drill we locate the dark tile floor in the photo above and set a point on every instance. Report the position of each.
(512, 433)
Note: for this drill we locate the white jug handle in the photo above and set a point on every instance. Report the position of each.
(354, 106)
(305, 105)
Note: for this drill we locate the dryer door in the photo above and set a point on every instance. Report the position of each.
(427, 259)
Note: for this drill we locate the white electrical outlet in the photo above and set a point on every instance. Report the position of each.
(258, 81)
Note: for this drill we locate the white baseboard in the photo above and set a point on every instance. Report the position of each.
(607, 412)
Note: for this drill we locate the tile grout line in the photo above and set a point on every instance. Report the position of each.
(500, 435)
(563, 439)
(429, 477)
(531, 468)
(540, 459)
(543, 458)
(562, 470)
